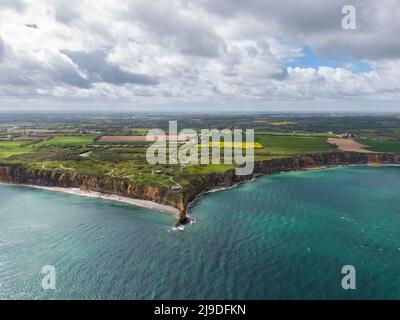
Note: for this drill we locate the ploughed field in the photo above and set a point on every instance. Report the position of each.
(348, 145)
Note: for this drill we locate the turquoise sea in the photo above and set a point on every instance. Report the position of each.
(284, 236)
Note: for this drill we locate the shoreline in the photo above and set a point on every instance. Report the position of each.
(212, 183)
(162, 208)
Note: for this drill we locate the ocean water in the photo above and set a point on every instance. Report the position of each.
(285, 236)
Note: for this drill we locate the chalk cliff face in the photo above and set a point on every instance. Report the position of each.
(199, 184)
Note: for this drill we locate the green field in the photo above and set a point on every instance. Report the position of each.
(275, 144)
(68, 140)
(10, 148)
(297, 134)
(276, 137)
(139, 131)
(382, 145)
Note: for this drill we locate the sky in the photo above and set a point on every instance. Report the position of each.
(211, 55)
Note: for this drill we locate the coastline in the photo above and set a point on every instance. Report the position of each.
(203, 194)
(162, 208)
(176, 204)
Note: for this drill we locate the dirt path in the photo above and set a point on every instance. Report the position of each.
(348, 145)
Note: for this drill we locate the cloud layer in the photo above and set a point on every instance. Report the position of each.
(179, 52)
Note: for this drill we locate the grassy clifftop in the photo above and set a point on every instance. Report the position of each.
(196, 183)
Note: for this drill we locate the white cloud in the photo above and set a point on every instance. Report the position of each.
(169, 52)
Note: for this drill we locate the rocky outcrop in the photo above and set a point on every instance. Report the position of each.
(199, 184)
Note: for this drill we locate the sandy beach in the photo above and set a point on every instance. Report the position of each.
(92, 194)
